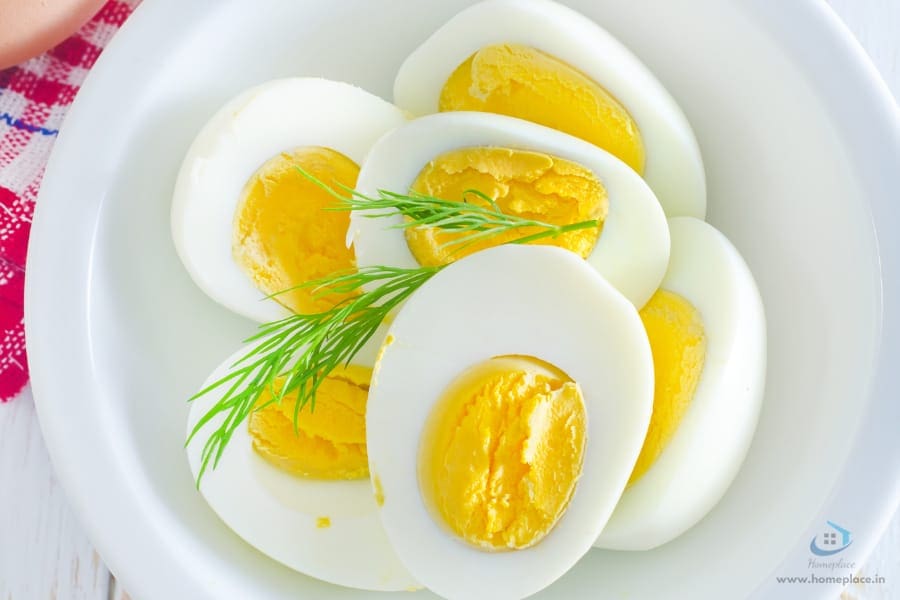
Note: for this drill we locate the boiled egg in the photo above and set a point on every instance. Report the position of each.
(707, 331)
(245, 222)
(527, 170)
(303, 496)
(541, 61)
(507, 407)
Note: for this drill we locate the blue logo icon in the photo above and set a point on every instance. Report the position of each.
(831, 541)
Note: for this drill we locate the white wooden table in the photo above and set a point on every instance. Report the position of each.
(45, 555)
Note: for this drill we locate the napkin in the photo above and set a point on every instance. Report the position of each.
(34, 98)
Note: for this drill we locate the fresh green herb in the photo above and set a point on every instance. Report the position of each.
(478, 214)
(304, 348)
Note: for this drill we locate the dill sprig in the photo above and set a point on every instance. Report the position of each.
(304, 348)
(478, 214)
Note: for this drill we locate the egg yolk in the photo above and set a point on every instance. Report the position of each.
(527, 184)
(678, 343)
(283, 237)
(519, 81)
(329, 441)
(502, 451)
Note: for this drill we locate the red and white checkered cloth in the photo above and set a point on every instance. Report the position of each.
(34, 98)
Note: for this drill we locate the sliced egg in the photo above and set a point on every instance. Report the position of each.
(541, 61)
(528, 170)
(245, 222)
(303, 498)
(707, 330)
(507, 408)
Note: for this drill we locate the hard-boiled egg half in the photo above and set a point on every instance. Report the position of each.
(707, 330)
(507, 408)
(303, 497)
(541, 61)
(245, 222)
(527, 170)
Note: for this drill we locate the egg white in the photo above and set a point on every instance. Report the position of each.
(704, 455)
(674, 167)
(510, 300)
(277, 512)
(633, 249)
(257, 125)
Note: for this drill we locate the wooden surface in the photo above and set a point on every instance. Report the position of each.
(45, 555)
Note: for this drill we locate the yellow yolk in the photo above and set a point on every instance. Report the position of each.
(519, 81)
(282, 235)
(502, 452)
(527, 184)
(330, 440)
(678, 343)
(379, 490)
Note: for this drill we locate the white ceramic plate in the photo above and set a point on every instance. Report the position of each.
(801, 143)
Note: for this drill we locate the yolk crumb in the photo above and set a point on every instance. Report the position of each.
(522, 183)
(379, 490)
(282, 235)
(330, 442)
(519, 81)
(502, 452)
(678, 343)
(323, 522)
